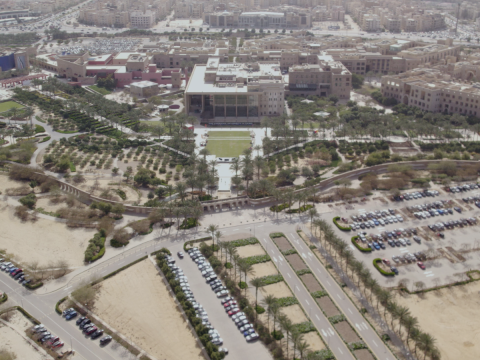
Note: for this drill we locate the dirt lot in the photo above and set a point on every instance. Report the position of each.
(311, 282)
(294, 313)
(456, 329)
(44, 240)
(14, 339)
(327, 305)
(363, 354)
(278, 290)
(346, 331)
(250, 250)
(282, 243)
(6, 183)
(264, 269)
(102, 185)
(296, 261)
(314, 340)
(146, 313)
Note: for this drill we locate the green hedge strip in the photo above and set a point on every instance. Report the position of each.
(57, 305)
(357, 245)
(343, 228)
(386, 273)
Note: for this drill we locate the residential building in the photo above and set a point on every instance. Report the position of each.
(235, 93)
(142, 20)
(393, 25)
(432, 90)
(143, 89)
(259, 19)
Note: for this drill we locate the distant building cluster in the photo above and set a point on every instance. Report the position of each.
(42, 7)
(125, 13)
(395, 16)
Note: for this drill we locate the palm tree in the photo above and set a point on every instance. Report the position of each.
(269, 301)
(312, 213)
(256, 283)
(236, 260)
(212, 229)
(287, 326)
(427, 343)
(296, 338)
(275, 311)
(410, 323)
(402, 314)
(246, 268)
(218, 235)
(235, 166)
(257, 148)
(302, 347)
(231, 250)
(181, 188)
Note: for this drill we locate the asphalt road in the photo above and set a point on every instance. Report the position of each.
(42, 306)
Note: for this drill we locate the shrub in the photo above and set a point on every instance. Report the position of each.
(271, 279)
(120, 238)
(244, 242)
(29, 201)
(319, 294)
(383, 272)
(362, 249)
(335, 221)
(57, 306)
(300, 209)
(259, 309)
(304, 327)
(289, 252)
(337, 318)
(39, 129)
(287, 301)
(277, 335)
(242, 285)
(279, 208)
(22, 212)
(252, 260)
(188, 224)
(303, 272)
(96, 247)
(142, 227)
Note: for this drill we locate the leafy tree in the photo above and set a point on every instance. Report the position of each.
(144, 176)
(357, 81)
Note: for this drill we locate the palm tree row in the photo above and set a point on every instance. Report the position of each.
(374, 292)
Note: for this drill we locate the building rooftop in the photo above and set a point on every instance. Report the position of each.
(144, 84)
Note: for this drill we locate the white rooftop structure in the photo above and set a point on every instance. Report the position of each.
(143, 84)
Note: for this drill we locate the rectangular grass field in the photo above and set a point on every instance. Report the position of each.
(229, 134)
(7, 105)
(227, 148)
(100, 90)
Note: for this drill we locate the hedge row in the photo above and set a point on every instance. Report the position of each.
(98, 241)
(244, 242)
(4, 298)
(276, 235)
(34, 286)
(304, 327)
(287, 301)
(337, 318)
(57, 305)
(324, 354)
(271, 279)
(289, 252)
(191, 242)
(257, 259)
(386, 273)
(319, 294)
(278, 208)
(303, 272)
(300, 209)
(343, 228)
(362, 249)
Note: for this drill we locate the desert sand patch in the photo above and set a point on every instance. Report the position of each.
(278, 290)
(47, 205)
(6, 183)
(14, 340)
(314, 340)
(264, 269)
(146, 313)
(250, 250)
(294, 313)
(454, 315)
(44, 241)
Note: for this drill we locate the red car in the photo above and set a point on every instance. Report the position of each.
(230, 303)
(91, 330)
(233, 312)
(57, 345)
(386, 262)
(420, 265)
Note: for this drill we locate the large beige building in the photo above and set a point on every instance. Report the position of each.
(260, 19)
(327, 77)
(238, 93)
(432, 90)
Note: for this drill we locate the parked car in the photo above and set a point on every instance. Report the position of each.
(97, 334)
(394, 270)
(420, 265)
(105, 340)
(71, 315)
(180, 255)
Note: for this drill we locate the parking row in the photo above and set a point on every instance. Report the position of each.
(87, 326)
(15, 272)
(47, 338)
(228, 303)
(416, 195)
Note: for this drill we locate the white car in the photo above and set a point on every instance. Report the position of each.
(222, 293)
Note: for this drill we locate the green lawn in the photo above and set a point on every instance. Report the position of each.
(102, 91)
(152, 123)
(227, 134)
(227, 148)
(7, 105)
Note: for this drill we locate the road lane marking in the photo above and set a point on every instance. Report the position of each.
(290, 276)
(324, 333)
(307, 302)
(303, 254)
(358, 327)
(317, 317)
(375, 343)
(275, 259)
(365, 326)
(329, 283)
(331, 331)
(339, 297)
(350, 311)
(430, 275)
(280, 257)
(341, 352)
(352, 247)
(428, 272)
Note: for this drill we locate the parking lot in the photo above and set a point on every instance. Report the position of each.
(232, 338)
(442, 228)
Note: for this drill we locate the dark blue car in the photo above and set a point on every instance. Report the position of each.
(71, 315)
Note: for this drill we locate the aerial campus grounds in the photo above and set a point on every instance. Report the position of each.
(422, 238)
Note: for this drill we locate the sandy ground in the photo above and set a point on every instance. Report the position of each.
(452, 317)
(6, 183)
(314, 340)
(278, 290)
(28, 241)
(294, 313)
(14, 340)
(146, 313)
(264, 269)
(250, 250)
(46, 205)
(132, 195)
